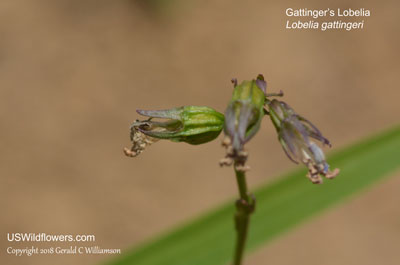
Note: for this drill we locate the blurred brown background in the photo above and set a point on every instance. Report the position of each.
(72, 74)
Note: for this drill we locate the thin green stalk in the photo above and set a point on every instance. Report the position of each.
(244, 208)
(242, 185)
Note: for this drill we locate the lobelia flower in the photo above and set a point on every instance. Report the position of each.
(245, 111)
(294, 134)
(191, 124)
(243, 118)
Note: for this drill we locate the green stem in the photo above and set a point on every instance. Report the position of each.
(242, 185)
(244, 207)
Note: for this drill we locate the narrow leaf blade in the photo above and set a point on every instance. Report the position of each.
(281, 206)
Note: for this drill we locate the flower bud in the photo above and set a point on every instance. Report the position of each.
(294, 133)
(245, 111)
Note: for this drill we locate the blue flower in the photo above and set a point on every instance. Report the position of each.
(245, 111)
(298, 138)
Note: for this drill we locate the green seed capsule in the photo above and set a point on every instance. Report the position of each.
(190, 124)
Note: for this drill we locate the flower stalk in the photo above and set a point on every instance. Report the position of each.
(244, 208)
(245, 205)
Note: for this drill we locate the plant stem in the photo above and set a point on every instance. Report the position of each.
(244, 207)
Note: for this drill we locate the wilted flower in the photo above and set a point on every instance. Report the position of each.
(190, 124)
(245, 111)
(294, 133)
(139, 140)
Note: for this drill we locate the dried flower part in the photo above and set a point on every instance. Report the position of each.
(237, 158)
(139, 140)
(294, 133)
(245, 111)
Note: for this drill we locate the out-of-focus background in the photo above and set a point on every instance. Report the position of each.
(72, 74)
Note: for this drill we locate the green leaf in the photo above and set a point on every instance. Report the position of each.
(281, 205)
